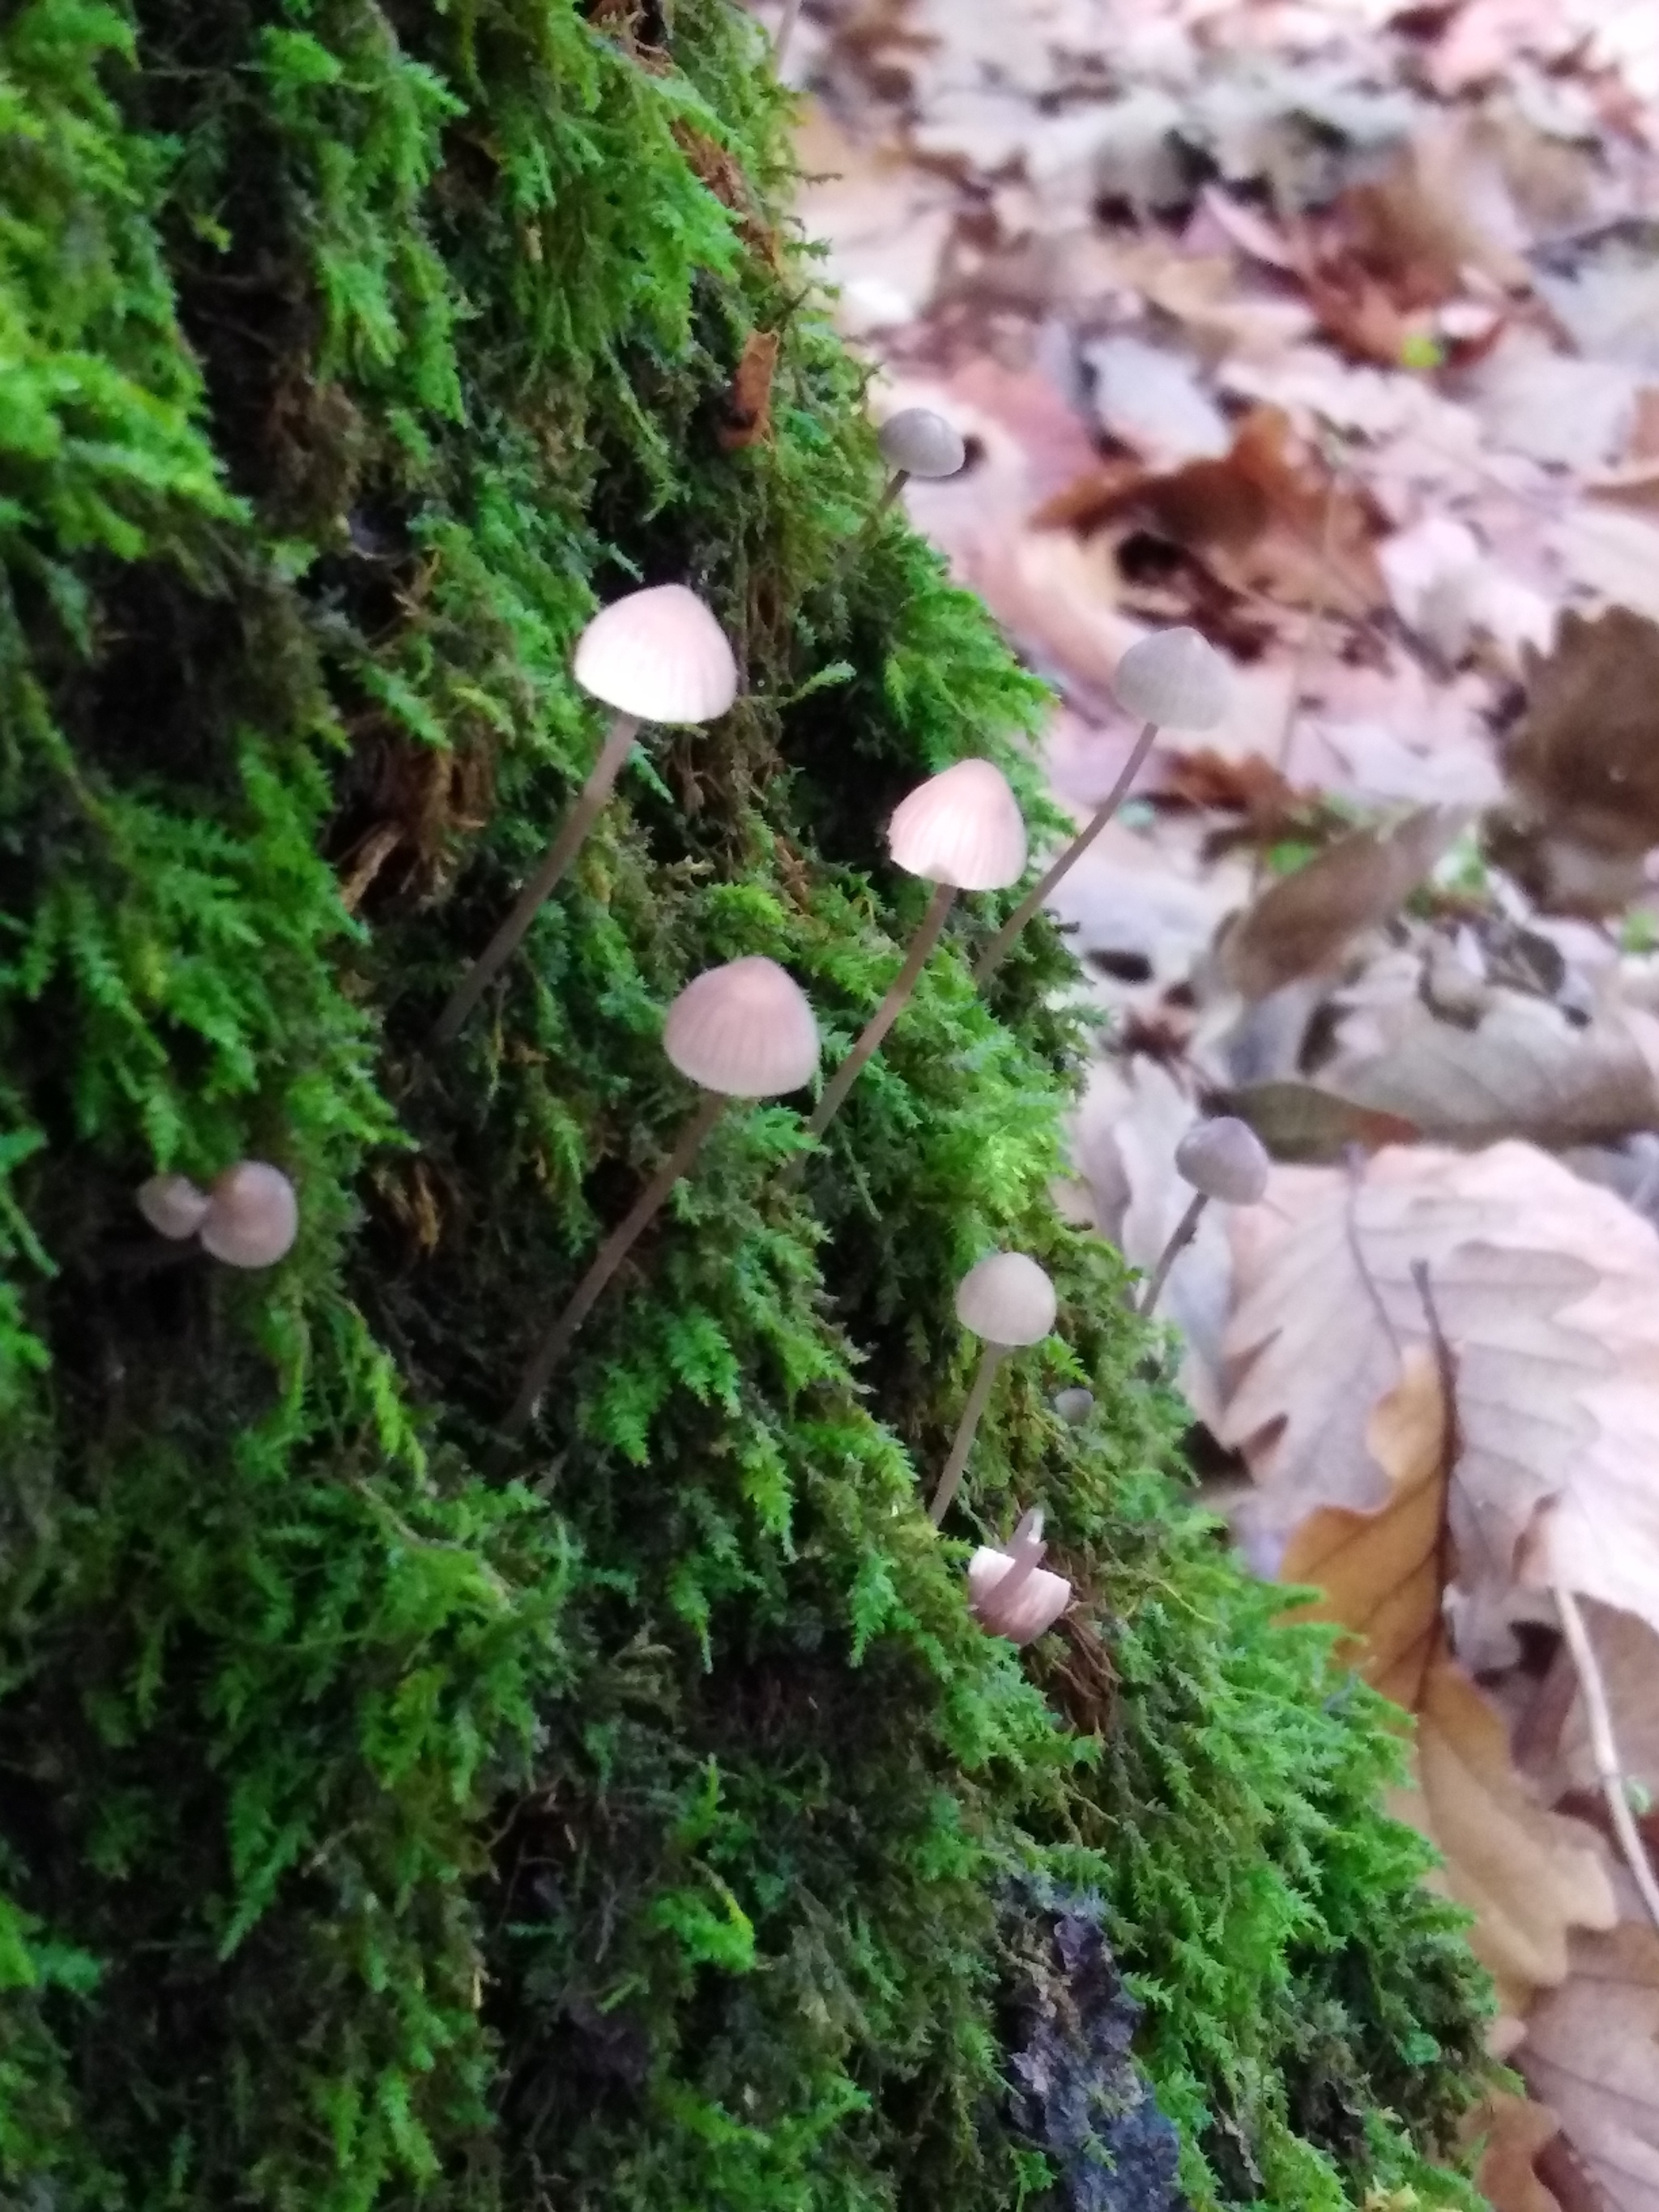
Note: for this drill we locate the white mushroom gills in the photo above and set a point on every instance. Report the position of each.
(961, 830)
(741, 1031)
(1171, 680)
(252, 1216)
(173, 1206)
(1008, 1301)
(657, 656)
(1223, 1159)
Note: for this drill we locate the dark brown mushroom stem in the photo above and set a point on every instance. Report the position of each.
(560, 854)
(951, 1481)
(997, 950)
(1184, 1231)
(875, 1029)
(611, 1254)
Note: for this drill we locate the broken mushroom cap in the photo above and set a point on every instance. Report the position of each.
(252, 1216)
(658, 655)
(1009, 1592)
(1225, 1159)
(921, 443)
(1176, 679)
(173, 1206)
(745, 1029)
(962, 826)
(1007, 1299)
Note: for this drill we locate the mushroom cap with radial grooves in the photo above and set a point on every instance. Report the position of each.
(1034, 1608)
(252, 1216)
(1225, 1159)
(745, 1029)
(658, 654)
(1175, 678)
(1007, 1299)
(173, 1206)
(921, 443)
(962, 827)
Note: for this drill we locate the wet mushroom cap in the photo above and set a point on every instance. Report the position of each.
(1225, 1159)
(745, 1029)
(1006, 1299)
(921, 443)
(1176, 679)
(962, 826)
(252, 1216)
(660, 655)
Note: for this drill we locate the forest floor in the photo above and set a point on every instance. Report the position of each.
(1332, 330)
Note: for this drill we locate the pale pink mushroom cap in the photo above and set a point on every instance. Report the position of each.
(173, 1206)
(252, 1216)
(962, 826)
(1007, 1299)
(1009, 1593)
(658, 654)
(745, 1029)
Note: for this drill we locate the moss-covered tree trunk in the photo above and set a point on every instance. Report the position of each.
(630, 1816)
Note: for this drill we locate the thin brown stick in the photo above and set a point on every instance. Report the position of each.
(1185, 1229)
(951, 1481)
(870, 1037)
(997, 950)
(559, 855)
(1604, 1748)
(611, 1255)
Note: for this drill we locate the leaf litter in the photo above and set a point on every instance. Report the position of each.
(1332, 329)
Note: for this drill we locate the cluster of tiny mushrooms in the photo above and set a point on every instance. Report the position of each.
(745, 1031)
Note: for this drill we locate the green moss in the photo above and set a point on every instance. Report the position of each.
(614, 1821)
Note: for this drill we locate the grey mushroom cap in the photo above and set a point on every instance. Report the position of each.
(921, 443)
(1225, 1159)
(1174, 679)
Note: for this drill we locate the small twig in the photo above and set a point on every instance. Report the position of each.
(1608, 1771)
(1311, 631)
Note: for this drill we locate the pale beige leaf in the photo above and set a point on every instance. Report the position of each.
(1512, 2131)
(1525, 1069)
(1614, 554)
(1151, 400)
(1592, 2055)
(1547, 1291)
(1627, 1657)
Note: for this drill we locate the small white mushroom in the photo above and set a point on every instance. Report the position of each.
(961, 830)
(655, 656)
(1008, 1302)
(252, 1216)
(1010, 1593)
(742, 1031)
(173, 1206)
(920, 443)
(1171, 680)
(1074, 1405)
(1223, 1159)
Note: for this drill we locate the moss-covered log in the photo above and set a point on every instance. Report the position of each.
(622, 1817)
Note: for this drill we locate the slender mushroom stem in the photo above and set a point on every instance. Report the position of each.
(1604, 1747)
(1024, 1556)
(951, 1481)
(787, 23)
(615, 1250)
(869, 1038)
(1185, 1229)
(997, 950)
(559, 855)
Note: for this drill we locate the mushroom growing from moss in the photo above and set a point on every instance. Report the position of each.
(1010, 1593)
(655, 656)
(1007, 1301)
(252, 1216)
(916, 442)
(174, 1206)
(1222, 1159)
(742, 1030)
(961, 830)
(1173, 680)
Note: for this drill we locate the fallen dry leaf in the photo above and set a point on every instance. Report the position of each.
(1522, 1068)
(1584, 759)
(1592, 2055)
(748, 403)
(1516, 2130)
(1547, 1290)
(1311, 1126)
(1304, 924)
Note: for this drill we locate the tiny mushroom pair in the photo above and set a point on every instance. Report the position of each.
(248, 1217)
